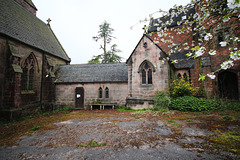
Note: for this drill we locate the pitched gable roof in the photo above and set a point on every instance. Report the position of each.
(16, 22)
(144, 35)
(87, 73)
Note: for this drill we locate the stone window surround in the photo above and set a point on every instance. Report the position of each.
(27, 77)
(106, 92)
(100, 93)
(149, 70)
(183, 75)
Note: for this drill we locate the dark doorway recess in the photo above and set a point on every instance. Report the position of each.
(79, 97)
(228, 85)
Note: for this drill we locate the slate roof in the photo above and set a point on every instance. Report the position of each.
(183, 60)
(18, 23)
(155, 23)
(87, 73)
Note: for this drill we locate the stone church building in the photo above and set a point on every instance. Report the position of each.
(35, 71)
(150, 69)
(29, 55)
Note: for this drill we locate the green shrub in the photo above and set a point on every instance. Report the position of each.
(181, 87)
(161, 99)
(123, 108)
(235, 106)
(190, 103)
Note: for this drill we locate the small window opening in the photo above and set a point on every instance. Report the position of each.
(100, 92)
(107, 93)
(179, 75)
(145, 45)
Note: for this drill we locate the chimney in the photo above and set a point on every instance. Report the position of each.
(28, 4)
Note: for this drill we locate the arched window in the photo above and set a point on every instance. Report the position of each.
(100, 92)
(27, 77)
(179, 75)
(146, 74)
(107, 93)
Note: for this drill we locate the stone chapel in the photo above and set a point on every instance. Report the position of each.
(35, 70)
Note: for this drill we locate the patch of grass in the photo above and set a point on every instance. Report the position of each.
(145, 112)
(197, 113)
(189, 120)
(137, 117)
(206, 112)
(92, 144)
(234, 106)
(35, 128)
(173, 123)
(123, 108)
(217, 147)
(223, 114)
(229, 118)
(229, 141)
(162, 110)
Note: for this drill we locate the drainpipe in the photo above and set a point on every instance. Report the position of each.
(42, 77)
(54, 89)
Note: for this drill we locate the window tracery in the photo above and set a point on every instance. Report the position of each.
(27, 77)
(146, 74)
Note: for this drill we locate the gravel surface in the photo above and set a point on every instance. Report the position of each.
(125, 138)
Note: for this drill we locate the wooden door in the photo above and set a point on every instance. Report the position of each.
(79, 96)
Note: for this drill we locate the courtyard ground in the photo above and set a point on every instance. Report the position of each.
(110, 134)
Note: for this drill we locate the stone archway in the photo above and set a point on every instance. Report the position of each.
(228, 85)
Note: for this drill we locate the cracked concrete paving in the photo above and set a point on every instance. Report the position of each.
(125, 138)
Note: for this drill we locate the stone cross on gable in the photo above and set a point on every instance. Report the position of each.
(49, 20)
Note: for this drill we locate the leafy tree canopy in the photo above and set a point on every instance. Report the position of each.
(108, 56)
(202, 24)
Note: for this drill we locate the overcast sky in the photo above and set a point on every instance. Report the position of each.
(75, 22)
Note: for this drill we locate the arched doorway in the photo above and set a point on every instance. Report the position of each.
(228, 85)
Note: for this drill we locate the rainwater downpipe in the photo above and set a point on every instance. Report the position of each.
(41, 89)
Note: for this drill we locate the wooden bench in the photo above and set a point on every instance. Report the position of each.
(101, 106)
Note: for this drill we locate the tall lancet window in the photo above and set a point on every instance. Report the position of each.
(146, 74)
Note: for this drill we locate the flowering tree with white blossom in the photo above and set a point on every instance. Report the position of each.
(208, 16)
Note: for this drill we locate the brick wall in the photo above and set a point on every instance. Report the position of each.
(222, 53)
